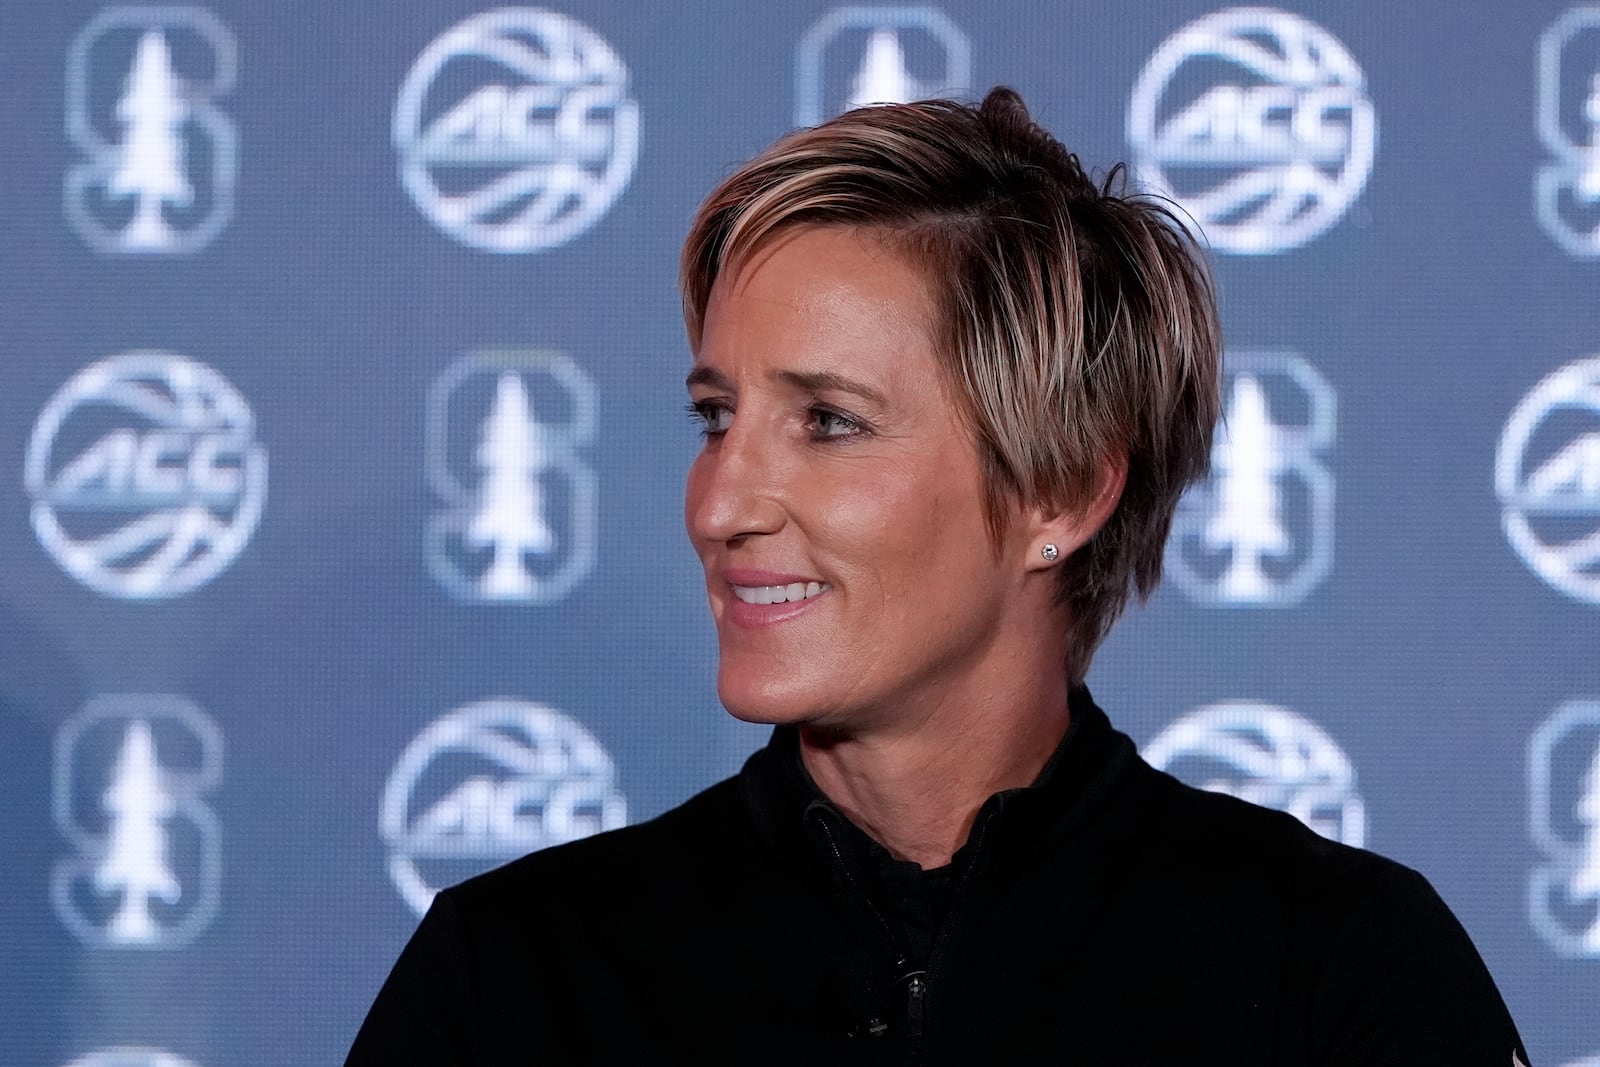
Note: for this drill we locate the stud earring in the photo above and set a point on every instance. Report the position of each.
(1049, 552)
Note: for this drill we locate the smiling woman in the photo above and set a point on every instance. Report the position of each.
(951, 391)
(834, 456)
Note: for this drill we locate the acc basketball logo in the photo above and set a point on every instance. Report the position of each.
(130, 1057)
(1269, 756)
(131, 774)
(143, 85)
(516, 130)
(1547, 476)
(1567, 191)
(1564, 819)
(488, 783)
(504, 429)
(145, 475)
(1258, 122)
(856, 56)
(1259, 531)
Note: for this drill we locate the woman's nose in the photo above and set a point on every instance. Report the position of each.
(735, 488)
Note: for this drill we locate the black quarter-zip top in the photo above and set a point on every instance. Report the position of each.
(1106, 916)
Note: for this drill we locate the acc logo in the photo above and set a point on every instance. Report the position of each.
(145, 475)
(516, 130)
(487, 783)
(160, 154)
(130, 776)
(1547, 476)
(1566, 192)
(1259, 531)
(855, 56)
(128, 1056)
(1258, 122)
(504, 429)
(1269, 756)
(1564, 819)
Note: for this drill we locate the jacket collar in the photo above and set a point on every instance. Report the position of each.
(1011, 825)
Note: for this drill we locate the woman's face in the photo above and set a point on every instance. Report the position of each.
(837, 504)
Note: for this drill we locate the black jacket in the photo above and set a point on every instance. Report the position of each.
(1107, 915)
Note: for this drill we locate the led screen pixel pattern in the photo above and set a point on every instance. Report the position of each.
(341, 556)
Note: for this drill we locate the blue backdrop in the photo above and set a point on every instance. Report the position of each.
(342, 440)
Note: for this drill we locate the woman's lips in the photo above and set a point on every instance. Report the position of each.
(778, 594)
(764, 597)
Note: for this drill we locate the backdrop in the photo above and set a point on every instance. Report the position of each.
(342, 445)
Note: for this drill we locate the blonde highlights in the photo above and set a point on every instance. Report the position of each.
(1078, 322)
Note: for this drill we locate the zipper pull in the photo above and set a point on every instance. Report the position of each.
(916, 989)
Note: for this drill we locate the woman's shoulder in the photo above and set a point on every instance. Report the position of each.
(695, 833)
(1323, 839)
(1270, 871)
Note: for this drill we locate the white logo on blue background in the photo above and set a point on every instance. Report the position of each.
(490, 782)
(131, 775)
(1257, 122)
(143, 92)
(516, 130)
(1567, 191)
(130, 1056)
(1564, 820)
(145, 475)
(1259, 531)
(504, 433)
(1269, 756)
(1547, 476)
(854, 56)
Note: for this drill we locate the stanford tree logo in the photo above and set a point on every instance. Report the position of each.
(160, 155)
(856, 56)
(1564, 820)
(505, 429)
(131, 775)
(1567, 189)
(1259, 531)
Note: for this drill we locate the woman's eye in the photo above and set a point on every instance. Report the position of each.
(713, 418)
(832, 424)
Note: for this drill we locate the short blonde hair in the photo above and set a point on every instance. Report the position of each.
(1078, 322)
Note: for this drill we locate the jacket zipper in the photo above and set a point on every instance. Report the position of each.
(916, 989)
(893, 943)
(919, 986)
(916, 980)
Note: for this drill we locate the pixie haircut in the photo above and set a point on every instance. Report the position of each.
(1076, 323)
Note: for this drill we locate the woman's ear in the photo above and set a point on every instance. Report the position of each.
(1055, 535)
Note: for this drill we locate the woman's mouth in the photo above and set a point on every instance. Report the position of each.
(779, 594)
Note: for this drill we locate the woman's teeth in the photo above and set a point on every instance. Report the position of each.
(779, 594)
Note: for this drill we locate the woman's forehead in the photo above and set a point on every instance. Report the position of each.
(828, 276)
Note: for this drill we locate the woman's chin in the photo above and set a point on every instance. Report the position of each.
(764, 700)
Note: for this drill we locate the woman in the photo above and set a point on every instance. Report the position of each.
(951, 393)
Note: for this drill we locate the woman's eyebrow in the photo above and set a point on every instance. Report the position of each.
(704, 375)
(820, 381)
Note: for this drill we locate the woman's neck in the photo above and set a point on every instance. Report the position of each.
(917, 789)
